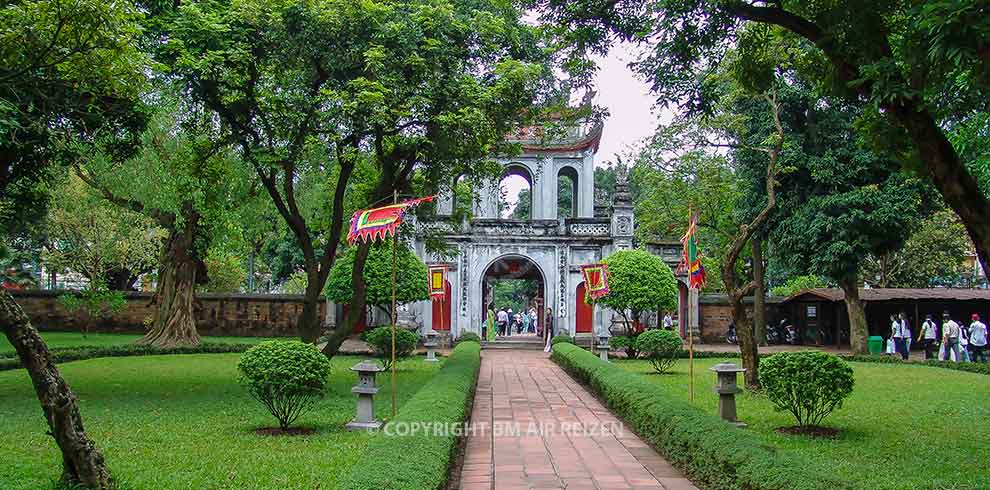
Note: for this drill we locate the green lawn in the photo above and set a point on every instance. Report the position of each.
(904, 427)
(75, 339)
(183, 422)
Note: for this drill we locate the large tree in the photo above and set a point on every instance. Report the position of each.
(933, 255)
(189, 185)
(67, 67)
(920, 67)
(413, 86)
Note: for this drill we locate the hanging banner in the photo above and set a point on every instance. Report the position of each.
(595, 279)
(691, 259)
(375, 224)
(438, 279)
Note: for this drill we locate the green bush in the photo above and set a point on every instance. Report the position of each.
(625, 343)
(660, 347)
(421, 459)
(469, 337)
(561, 339)
(9, 360)
(380, 340)
(287, 376)
(713, 453)
(807, 384)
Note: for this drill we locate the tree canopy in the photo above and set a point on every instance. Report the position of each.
(411, 283)
(639, 281)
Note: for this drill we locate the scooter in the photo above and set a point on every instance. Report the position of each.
(730, 335)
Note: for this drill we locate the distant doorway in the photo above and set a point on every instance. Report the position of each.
(441, 310)
(585, 313)
(514, 283)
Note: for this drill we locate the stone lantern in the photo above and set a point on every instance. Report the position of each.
(726, 387)
(366, 390)
(430, 342)
(603, 346)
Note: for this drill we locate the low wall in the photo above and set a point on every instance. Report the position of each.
(242, 315)
(715, 315)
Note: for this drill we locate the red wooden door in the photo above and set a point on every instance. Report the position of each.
(362, 323)
(441, 320)
(585, 312)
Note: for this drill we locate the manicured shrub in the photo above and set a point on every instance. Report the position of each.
(807, 384)
(403, 459)
(561, 338)
(660, 347)
(287, 376)
(712, 453)
(380, 340)
(625, 343)
(469, 337)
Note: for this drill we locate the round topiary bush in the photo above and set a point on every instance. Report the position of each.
(287, 376)
(660, 347)
(380, 340)
(808, 384)
(469, 337)
(561, 338)
(625, 343)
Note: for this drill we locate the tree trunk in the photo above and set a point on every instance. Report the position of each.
(759, 293)
(82, 462)
(858, 331)
(175, 321)
(309, 321)
(356, 308)
(748, 349)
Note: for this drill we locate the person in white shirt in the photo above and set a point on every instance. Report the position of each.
(950, 337)
(977, 340)
(902, 334)
(928, 337)
(502, 319)
(668, 322)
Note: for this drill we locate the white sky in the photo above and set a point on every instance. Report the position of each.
(631, 115)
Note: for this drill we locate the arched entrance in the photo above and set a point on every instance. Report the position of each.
(584, 313)
(441, 310)
(516, 282)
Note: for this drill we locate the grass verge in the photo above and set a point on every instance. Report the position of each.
(713, 453)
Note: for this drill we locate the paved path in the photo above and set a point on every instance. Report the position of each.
(534, 427)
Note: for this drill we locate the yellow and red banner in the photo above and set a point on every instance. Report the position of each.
(595, 279)
(377, 223)
(438, 281)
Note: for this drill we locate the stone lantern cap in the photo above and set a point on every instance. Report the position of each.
(727, 367)
(726, 372)
(366, 366)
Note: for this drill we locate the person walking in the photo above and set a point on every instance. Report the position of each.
(902, 335)
(950, 338)
(963, 342)
(503, 320)
(534, 320)
(977, 340)
(548, 328)
(928, 337)
(525, 321)
(509, 317)
(891, 341)
(490, 330)
(668, 322)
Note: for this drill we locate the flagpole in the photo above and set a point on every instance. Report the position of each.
(395, 255)
(691, 354)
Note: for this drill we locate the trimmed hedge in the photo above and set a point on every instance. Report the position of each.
(709, 450)
(421, 460)
(66, 354)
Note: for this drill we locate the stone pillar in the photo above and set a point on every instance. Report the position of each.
(366, 391)
(727, 387)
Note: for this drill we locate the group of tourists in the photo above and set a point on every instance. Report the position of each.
(503, 322)
(953, 341)
(507, 322)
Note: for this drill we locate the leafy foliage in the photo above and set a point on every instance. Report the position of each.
(226, 272)
(411, 277)
(561, 338)
(469, 337)
(798, 283)
(287, 376)
(809, 385)
(93, 303)
(933, 255)
(380, 340)
(639, 281)
(660, 347)
(625, 343)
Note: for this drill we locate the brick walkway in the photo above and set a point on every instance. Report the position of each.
(536, 428)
